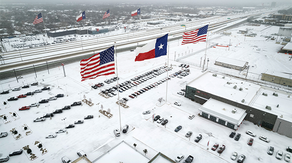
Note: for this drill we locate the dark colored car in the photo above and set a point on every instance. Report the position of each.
(164, 122)
(34, 84)
(237, 137)
(70, 126)
(178, 128)
(25, 86)
(17, 152)
(25, 108)
(215, 146)
(241, 158)
(270, 150)
(250, 142)
(232, 134)
(58, 111)
(12, 99)
(156, 117)
(221, 149)
(21, 96)
(44, 101)
(125, 129)
(48, 115)
(66, 107)
(79, 122)
(59, 95)
(46, 88)
(29, 93)
(4, 92)
(198, 138)
(41, 119)
(88, 117)
(76, 103)
(189, 159)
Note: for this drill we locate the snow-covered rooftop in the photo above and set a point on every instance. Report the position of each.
(231, 61)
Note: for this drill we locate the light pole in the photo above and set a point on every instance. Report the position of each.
(207, 63)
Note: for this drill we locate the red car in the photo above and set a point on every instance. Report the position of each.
(250, 142)
(215, 146)
(21, 96)
(25, 108)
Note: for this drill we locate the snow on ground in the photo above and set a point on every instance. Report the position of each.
(95, 137)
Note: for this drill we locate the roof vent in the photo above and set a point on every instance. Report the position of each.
(234, 111)
(275, 94)
(235, 87)
(240, 89)
(214, 75)
(243, 100)
(268, 107)
(265, 94)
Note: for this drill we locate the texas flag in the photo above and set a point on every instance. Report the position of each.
(152, 49)
(81, 16)
(136, 12)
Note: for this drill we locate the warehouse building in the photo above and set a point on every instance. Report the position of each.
(231, 63)
(265, 107)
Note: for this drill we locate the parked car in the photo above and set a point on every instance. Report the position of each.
(250, 142)
(146, 112)
(34, 84)
(81, 154)
(52, 98)
(156, 117)
(117, 132)
(44, 101)
(270, 150)
(189, 159)
(59, 95)
(12, 99)
(4, 159)
(39, 119)
(189, 134)
(16, 89)
(160, 120)
(58, 111)
(248, 132)
(181, 93)
(289, 149)
(29, 93)
(279, 155)
(88, 117)
(25, 86)
(164, 122)
(38, 91)
(237, 137)
(179, 158)
(78, 122)
(233, 156)
(232, 134)
(35, 105)
(46, 88)
(265, 139)
(21, 96)
(178, 128)
(4, 92)
(70, 126)
(61, 131)
(76, 103)
(25, 108)
(198, 138)
(48, 115)
(221, 149)
(16, 152)
(3, 134)
(241, 158)
(66, 107)
(287, 157)
(51, 136)
(177, 103)
(125, 129)
(65, 159)
(215, 146)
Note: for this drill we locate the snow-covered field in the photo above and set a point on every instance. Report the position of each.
(95, 137)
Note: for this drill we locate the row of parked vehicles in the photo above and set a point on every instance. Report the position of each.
(14, 153)
(160, 120)
(19, 88)
(41, 102)
(279, 154)
(28, 94)
(124, 130)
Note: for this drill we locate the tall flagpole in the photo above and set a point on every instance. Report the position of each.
(206, 49)
(116, 60)
(167, 68)
(44, 22)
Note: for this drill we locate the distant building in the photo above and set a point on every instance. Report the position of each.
(231, 63)
(285, 31)
(273, 4)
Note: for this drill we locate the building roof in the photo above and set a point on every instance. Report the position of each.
(288, 46)
(231, 61)
(223, 111)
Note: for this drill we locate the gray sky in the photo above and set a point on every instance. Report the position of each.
(209, 2)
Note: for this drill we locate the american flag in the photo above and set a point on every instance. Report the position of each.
(100, 64)
(106, 14)
(198, 35)
(38, 19)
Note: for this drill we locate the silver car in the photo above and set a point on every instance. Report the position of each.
(279, 155)
(117, 132)
(3, 134)
(4, 159)
(234, 156)
(51, 136)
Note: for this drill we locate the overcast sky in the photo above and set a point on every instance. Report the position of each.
(210, 2)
